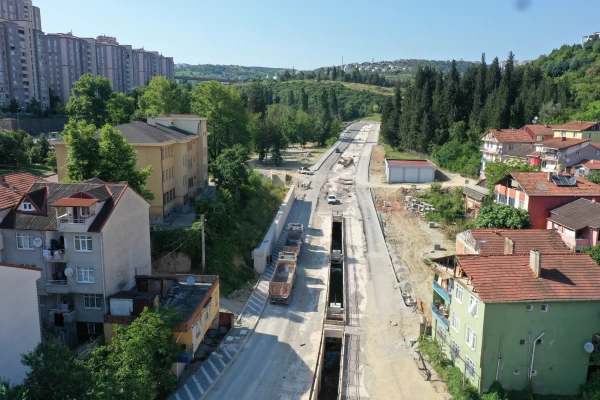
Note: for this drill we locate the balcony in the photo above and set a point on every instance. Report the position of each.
(437, 314)
(68, 312)
(69, 223)
(549, 156)
(444, 293)
(492, 150)
(55, 255)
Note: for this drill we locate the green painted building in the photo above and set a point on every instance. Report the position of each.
(517, 318)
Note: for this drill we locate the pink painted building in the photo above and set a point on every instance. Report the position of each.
(577, 222)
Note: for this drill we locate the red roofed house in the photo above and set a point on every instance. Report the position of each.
(508, 241)
(539, 132)
(540, 192)
(520, 319)
(577, 222)
(586, 167)
(578, 130)
(496, 142)
(12, 188)
(559, 154)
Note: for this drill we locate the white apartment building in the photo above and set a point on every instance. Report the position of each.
(497, 143)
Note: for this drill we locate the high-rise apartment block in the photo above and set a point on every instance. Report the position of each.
(32, 62)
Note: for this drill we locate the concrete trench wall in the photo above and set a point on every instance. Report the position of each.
(261, 253)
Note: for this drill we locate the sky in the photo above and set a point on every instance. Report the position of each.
(313, 33)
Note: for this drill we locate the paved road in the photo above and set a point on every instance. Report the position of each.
(279, 359)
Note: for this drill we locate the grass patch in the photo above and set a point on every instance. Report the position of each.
(35, 169)
(391, 153)
(373, 117)
(370, 88)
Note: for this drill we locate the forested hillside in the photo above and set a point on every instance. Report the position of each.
(230, 72)
(445, 113)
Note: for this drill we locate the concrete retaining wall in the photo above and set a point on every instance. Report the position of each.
(261, 253)
(35, 126)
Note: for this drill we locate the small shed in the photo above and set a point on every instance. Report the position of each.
(409, 171)
(474, 197)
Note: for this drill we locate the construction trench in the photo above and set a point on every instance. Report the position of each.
(327, 385)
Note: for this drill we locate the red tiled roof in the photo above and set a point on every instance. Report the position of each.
(508, 278)
(590, 164)
(74, 202)
(20, 267)
(561, 143)
(510, 135)
(410, 163)
(179, 116)
(575, 126)
(536, 183)
(491, 241)
(539, 130)
(21, 182)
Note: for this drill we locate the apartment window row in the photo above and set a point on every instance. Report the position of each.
(543, 308)
(167, 152)
(168, 196)
(168, 174)
(92, 301)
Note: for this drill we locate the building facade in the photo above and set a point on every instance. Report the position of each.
(498, 142)
(577, 222)
(90, 239)
(559, 154)
(176, 146)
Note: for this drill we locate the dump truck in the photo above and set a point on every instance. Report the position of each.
(336, 252)
(335, 307)
(282, 282)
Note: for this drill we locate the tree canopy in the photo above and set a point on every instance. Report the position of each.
(494, 171)
(230, 169)
(502, 216)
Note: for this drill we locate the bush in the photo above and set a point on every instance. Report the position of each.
(501, 216)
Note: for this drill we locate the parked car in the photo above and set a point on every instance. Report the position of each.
(305, 171)
(331, 199)
(337, 150)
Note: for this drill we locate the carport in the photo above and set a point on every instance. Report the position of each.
(409, 171)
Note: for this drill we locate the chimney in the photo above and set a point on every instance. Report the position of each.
(509, 246)
(2, 178)
(550, 176)
(535, 262)
(593, 201)
(563, 139)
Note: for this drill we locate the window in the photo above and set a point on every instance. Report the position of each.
(517, 372)
(529, 307)
(534, 372)
(24, 241)
(454, 349)
(544, 308)
(455, 321)
(458, 293)
(85, 275)
(471, 338)
(539, 342)
(469, 367)
(473, 305)
(91, 328)
(83, 243)
(27, 206)
(522, 342)
(563, 134)
(521, 204)
(511, 201)
(92, 301)
(577, 153)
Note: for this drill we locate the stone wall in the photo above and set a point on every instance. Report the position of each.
(35, 126)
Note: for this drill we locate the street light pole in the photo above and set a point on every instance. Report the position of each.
(203, 249)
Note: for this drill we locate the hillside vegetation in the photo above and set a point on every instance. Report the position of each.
(231, 72)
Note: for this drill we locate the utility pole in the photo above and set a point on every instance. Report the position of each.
(203, 248)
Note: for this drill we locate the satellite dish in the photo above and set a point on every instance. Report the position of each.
(588, 347)
(37, 242)
(191, 280)
(567, 159)
(535, 120)
(69, 271)
(572, 181)
(558, 154)
(466, 181)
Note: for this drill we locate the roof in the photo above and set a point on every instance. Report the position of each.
(510, 135)
(491, 241)
(536, 184)
(134, 295)
(561, 143)
(45, 220)
(476, 192)
(575, 126)
(20, 182)
(20, 267)
(508, 278)
(589, 164)
(410, 163)
(538, 130)
(520, 150)
(141, 132)
(577, 214)
(74, 202)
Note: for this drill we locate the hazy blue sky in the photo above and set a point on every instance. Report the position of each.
(312, 33)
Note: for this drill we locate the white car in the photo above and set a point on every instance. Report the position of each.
(331, 199)
(305, 171)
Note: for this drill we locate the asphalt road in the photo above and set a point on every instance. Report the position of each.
(279, 359)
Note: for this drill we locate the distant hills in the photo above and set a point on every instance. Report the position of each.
(229, 72)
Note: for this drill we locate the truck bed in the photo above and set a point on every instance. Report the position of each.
(282, 282)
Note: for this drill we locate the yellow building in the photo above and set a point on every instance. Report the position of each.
(176, 146)
(576, 130)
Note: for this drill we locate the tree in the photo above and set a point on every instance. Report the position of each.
(549, 111)
(230, 169)
(54, 374)
(13, 106)
(34, 107)
(502, 216)
(160, 97)
(44, 146)
(90, 99)
(120, 108)
(594, 177)
(137, 362)
(494, 171)
(83, 151)
(15, 147)
(227, 117)
(594, 252)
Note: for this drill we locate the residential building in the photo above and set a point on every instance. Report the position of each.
(498, 141)
(509, 241)
(90, 239)
(577, 222)
(578, 130)
(586, 167)
(539, 132)
(519, 319)
(194, 297)
(586, 38)
(557, 154)
(12, 188)
(474, 196)
(540, 192)
(176, 146)
(20, 331)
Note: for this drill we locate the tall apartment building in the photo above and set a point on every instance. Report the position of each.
(21, 10)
